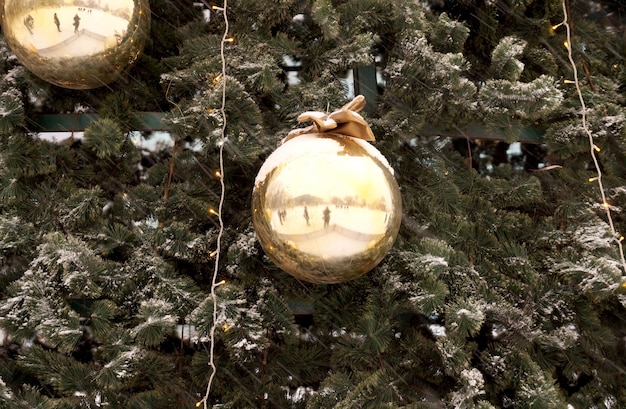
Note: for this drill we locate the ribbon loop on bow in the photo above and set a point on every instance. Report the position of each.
(344, 121)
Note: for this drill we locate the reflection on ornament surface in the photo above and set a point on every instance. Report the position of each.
(326, 207)
(77, 44)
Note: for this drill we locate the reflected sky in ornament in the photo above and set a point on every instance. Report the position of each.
(309, 176)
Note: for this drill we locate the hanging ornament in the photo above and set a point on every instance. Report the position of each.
(74, 43)
(326, 206)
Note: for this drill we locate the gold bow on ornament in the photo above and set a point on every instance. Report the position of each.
(344, 121)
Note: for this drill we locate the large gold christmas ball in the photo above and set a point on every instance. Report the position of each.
(76, 44)
(326, 207)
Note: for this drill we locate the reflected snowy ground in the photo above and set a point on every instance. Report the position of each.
(348, 230)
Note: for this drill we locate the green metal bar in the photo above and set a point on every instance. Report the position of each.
(365, 84)
(144, 121)
(152, 121)
(514, 133)
(301, 307)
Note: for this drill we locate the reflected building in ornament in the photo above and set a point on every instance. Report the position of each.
(326, 208)
(78, 44)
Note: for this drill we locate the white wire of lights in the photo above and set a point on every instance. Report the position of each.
(593, 148)
(214, 283)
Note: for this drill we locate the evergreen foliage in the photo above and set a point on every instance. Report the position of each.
(504, 289)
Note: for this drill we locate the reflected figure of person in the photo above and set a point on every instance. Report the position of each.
(306, 215)
(57, 22)
(76, 23)
(29, 22)
(326, 217)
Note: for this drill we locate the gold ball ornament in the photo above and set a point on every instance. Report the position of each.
(326, 206)
(76, 44)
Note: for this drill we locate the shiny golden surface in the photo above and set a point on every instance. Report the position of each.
(77, 44)
(326, 208)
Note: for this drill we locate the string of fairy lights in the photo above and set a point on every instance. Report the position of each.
(220, 174)
(593, 148)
